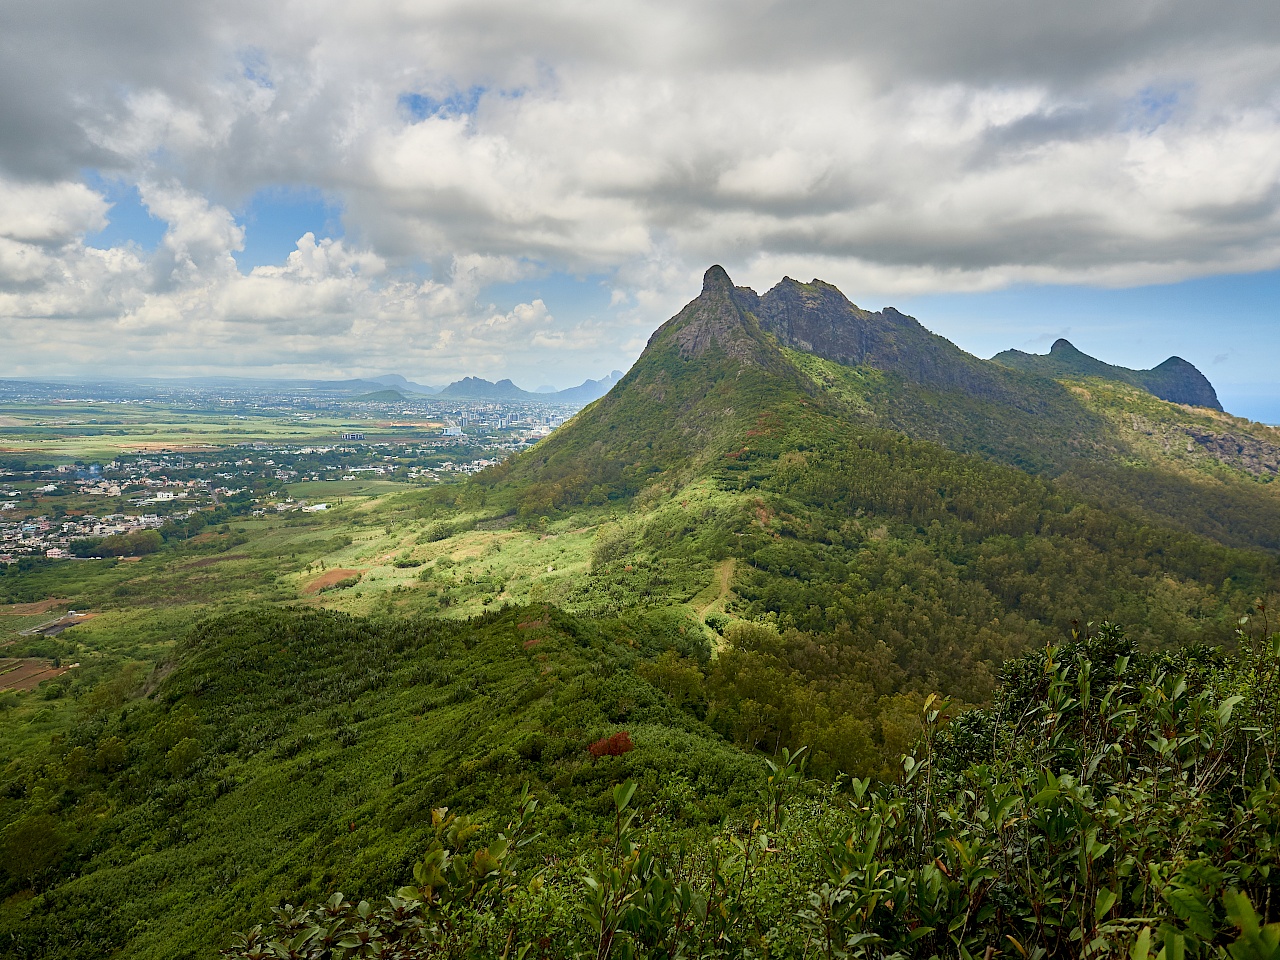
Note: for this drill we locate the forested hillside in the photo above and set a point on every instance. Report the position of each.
(280, 752)
(897, 527)
(1105, 805)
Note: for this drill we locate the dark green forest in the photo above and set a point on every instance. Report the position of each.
(1105, 804)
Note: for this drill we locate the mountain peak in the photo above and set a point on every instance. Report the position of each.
(817, 318)
(716, 280)
(716, 321)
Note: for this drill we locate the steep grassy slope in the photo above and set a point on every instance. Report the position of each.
(705, 377)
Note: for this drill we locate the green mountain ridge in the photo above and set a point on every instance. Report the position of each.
(380, 396)
(1174, 380)
(803, 350)
(476, 388)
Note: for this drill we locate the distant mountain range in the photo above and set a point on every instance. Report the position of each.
(476, 388)
(397, 382)
(389, 388)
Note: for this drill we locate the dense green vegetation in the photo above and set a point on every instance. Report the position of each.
(282, 752)
(1106, 804)
(284, 755)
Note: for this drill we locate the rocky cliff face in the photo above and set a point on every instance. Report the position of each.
(713, 320)
(1175, 380)
(1178, 381)
(817, 318)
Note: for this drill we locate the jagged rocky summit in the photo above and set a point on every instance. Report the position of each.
(817, 318)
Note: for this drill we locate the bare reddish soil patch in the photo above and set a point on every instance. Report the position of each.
(27, 674)
(329, 578)
(31, 609)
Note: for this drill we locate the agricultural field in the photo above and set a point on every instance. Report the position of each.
(321, 489)
(71, 432)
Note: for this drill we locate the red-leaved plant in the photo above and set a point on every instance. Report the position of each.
(614, 746)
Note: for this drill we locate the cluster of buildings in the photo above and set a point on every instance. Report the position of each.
(455, 469)
(47, 537)
(44, 510)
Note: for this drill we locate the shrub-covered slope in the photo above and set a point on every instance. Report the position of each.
(290, 753)
(1106, 805)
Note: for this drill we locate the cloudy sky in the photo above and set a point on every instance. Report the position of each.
(505, 188)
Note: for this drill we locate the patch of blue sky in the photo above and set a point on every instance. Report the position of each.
(1228, 326)
(570, 299)
(275, 219)
(422, 106)
(253, 66)
(129, 221)
(1154, 106)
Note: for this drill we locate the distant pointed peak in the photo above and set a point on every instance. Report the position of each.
(716, 280)
(1061, 344)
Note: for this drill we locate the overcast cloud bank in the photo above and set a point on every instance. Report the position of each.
(894, 150)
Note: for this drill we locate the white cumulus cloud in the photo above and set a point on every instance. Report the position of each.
(892, 149)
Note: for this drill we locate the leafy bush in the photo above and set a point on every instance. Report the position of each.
(342, 584)
(136, 544)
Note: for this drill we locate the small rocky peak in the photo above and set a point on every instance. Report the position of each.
(716, 280)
